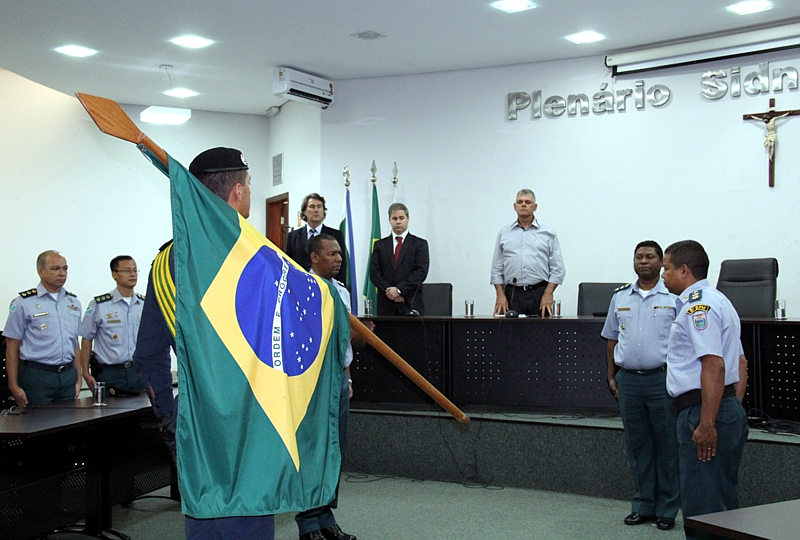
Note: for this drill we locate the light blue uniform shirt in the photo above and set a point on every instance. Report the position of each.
(531, 255)
(47, 327)
(706, 323)
(113, 325)
(640, 325)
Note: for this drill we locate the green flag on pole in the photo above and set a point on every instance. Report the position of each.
(260, 346)
(370, 291)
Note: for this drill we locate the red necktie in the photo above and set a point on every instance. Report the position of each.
(397, 250)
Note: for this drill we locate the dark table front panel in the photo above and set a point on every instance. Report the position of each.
(530, 363)
(423, 343)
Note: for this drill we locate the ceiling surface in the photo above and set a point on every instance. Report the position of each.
(254, 36)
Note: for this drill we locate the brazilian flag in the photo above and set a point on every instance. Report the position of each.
(261, 347)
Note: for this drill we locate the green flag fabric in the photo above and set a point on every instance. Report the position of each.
(260, 346)
(370, 291)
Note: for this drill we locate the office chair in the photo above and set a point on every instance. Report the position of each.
(751, 285)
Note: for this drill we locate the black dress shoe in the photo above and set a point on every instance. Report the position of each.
(665, 524)
(313, 535)
(637, 519)
(336, 533)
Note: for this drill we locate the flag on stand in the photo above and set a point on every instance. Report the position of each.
(370, 291)
(260, 346)
(348, 253)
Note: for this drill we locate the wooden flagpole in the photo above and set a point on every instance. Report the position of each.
(112, 120)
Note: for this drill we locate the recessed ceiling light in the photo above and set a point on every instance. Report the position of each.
(590, 36)
(369, 34)
(180, 92)
(76, 50)
(512, 6)
(750, 6)
(192, 42)
(165, 115)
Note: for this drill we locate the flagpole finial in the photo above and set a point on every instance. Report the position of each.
(346, 175)
(394, 172)
(374, 169)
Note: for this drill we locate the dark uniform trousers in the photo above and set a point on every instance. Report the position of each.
(711, 486)
(43, 385)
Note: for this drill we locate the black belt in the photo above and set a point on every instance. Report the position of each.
(695, 397)
(645, 371)
(528, 287)
(47, 367)
(124, 365)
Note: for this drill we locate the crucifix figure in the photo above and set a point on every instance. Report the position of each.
(770, 118)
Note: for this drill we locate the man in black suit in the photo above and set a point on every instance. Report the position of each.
(313, 212)
(399, 266)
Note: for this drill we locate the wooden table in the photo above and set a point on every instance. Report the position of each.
(777, 521)
(66, 461)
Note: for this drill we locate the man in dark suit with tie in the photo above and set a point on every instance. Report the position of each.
(313, 212)
(399, 266)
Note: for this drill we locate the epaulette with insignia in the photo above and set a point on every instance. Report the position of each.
(339, 282)
(71, 294)
(139, 296)
(29, 292)
(694, 296)
(103, 298)
(623, 287)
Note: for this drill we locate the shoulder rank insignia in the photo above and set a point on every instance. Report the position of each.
(103, 298)
(29, 292)
(623, 287)
(139, 296)
(694, 296)
(71, 294)
(339, 282)
(698, 307)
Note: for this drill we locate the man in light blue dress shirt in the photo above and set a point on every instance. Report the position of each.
(527, 265)
(637, 329)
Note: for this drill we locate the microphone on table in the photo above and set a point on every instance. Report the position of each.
(510, 313)
(413, 312)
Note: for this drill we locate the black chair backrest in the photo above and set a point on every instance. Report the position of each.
(751, 285)
(594, 298)
(438, 299)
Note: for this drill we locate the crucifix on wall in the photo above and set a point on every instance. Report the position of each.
(770, 118)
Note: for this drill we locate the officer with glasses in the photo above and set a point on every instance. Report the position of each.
(109, 329)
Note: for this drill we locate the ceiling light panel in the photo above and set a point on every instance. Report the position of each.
(76, 50)
(165, 115)
(590, 36)
(180, 92)
(191, 42)
(750, 6)
(513, 6)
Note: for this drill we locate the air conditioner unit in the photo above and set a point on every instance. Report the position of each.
(299, 86)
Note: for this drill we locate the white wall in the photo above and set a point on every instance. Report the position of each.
(691, 169)
(66, 186)
(295, 132)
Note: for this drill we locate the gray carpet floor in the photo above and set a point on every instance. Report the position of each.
(375, 508)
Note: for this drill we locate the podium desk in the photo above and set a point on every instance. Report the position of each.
(777, 521)
(66, 461)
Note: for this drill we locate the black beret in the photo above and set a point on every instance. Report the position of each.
(218, 160)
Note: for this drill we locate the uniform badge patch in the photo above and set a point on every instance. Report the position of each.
(700, 320)
(698, 307)
(694, 296)
(12, 308)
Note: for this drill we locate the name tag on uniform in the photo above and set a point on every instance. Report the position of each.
(623, 309)
(41, 314)
(114, 321)
(663, 307)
